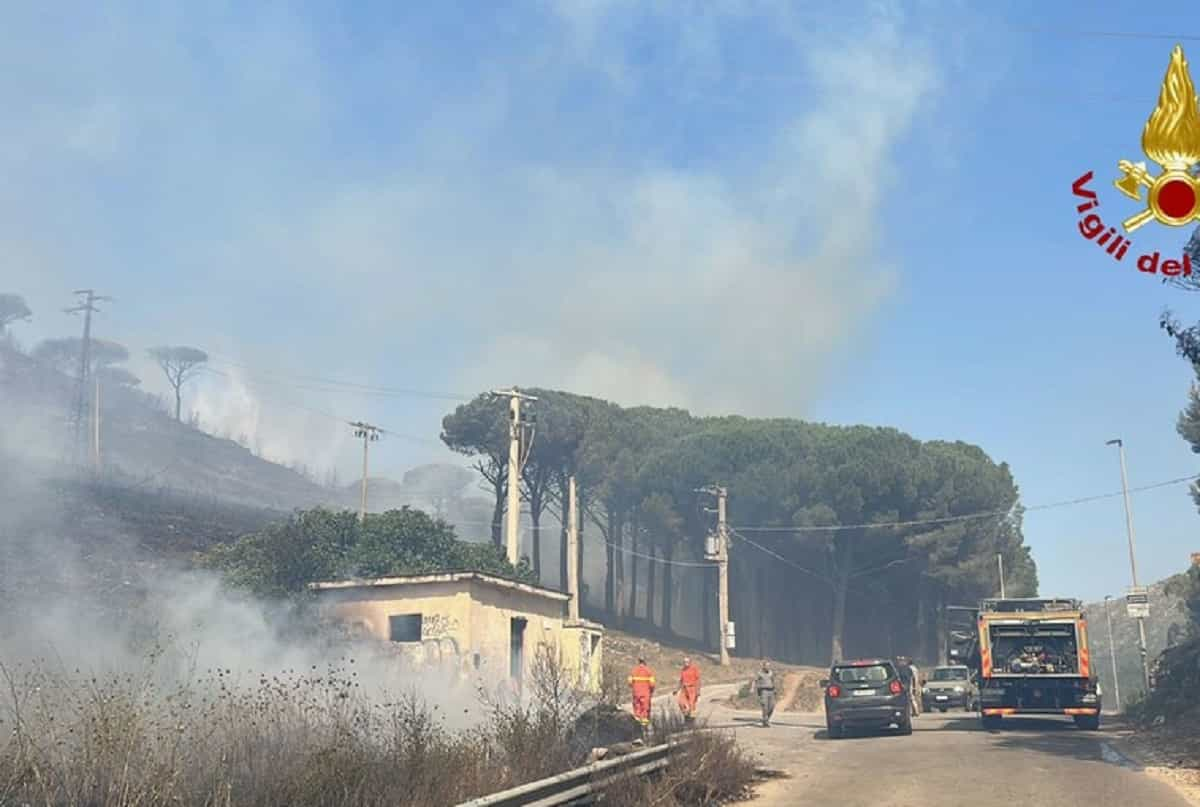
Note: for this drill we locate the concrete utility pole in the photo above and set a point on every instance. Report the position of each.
(369, 434)
(572, 550)
(88, 307)
(1000, 562)
(723, 571)
(516, 426)
(720, 554)
(1133, 560)
(1112, 653)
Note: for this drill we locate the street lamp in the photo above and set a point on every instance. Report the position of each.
(1112, 652)
(1132, 559)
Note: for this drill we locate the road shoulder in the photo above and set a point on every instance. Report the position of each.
(1159, 755)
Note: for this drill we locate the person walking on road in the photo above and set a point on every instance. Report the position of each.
(688, 692)
(764, 685)
(641, 685)
(908, 677)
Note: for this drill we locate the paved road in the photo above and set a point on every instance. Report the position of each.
(949, 760)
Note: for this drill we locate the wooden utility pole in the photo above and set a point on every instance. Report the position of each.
(1000, 562)
(88, 307)
(572, 550)
(516, 429)
(369, 434)
(719, 552)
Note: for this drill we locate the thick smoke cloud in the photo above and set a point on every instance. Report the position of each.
(390, 215)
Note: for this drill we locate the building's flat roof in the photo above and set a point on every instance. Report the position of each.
(442, 577)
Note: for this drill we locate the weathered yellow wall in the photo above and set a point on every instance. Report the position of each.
(445, 610)
(582, 655)
(492, 611)
(462, 619)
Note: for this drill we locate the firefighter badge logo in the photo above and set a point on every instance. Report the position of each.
(1171, 138)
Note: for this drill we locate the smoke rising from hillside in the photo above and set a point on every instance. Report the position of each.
(78, 592)
(633, 268)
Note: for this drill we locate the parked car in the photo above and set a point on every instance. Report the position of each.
(949, 687)
(866, 694)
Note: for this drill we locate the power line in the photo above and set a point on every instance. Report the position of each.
(339, 383)
(823, 578)
(692, 564)
(968, 516)
(554, 498)
(321, 412)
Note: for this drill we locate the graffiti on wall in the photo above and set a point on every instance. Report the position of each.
(438, 626)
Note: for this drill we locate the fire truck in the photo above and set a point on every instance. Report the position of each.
(1031, 657)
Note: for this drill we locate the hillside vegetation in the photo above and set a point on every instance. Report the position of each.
(806, 502)
(1168, 624)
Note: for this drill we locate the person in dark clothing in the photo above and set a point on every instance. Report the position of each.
(764, 685)
(905, 669)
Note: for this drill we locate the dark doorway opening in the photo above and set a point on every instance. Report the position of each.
(516, 649)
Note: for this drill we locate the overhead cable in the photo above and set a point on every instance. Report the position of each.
(964, 517)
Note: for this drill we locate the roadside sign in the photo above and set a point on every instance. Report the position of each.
(1137, 603)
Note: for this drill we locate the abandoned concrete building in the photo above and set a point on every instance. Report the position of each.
(468, 623)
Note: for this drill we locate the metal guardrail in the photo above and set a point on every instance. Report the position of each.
(569, 787)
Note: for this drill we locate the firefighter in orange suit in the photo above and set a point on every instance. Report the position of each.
(689, 689)
(641, 684)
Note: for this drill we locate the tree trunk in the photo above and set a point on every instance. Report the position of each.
(759, 595)
(837, 642)
(616, 532)
(633, 566)
(651, 584)
(941, 625)
(178, 401)
(708, 609)
(668, 592)
(535, 516)
(498, 516)
(610, 577)
(922, 625)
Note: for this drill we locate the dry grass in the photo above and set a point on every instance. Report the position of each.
(622, 649)
(301, 739)
(709, 770)
(798, 692)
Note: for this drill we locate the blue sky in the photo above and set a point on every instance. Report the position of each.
(858, 214)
